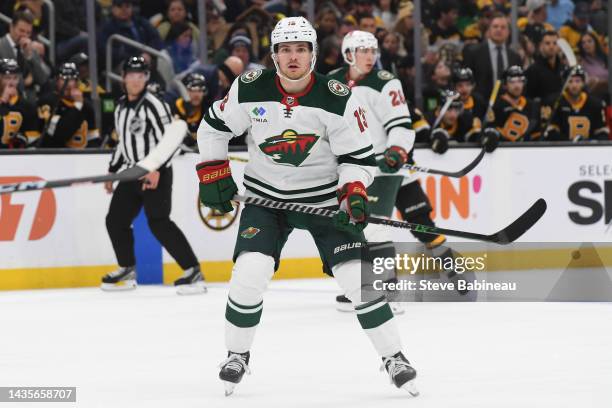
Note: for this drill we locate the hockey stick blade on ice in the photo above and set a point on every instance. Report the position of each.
(173, 136)
(509, 234)
(413, 167)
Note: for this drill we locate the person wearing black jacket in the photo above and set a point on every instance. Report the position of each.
(544, 75)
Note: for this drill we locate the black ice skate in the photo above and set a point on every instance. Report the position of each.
(123, 278)
(191, 283)
(232, 370)
(400, 372)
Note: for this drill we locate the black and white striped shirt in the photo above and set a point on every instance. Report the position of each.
(140, 126)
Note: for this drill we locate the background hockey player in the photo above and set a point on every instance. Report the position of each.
(514, 116)
(462, 81)
(579, 115)
(193, 110)
(18, 121)
(308, 143)
(381, 96)
(67, 116)
(456, 124)
(140, 121)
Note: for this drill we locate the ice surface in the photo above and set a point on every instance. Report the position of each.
(151, 348)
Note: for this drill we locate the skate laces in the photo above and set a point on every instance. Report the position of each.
(235, 362)
(394, 366)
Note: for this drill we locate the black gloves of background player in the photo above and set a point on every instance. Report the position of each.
(439, 140)
(490, 139)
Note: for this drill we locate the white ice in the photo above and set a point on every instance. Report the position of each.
(151, 348)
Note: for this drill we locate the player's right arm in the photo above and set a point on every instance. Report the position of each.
(223, 120)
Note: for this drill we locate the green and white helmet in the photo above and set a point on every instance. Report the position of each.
(293, 29)
(357, 39)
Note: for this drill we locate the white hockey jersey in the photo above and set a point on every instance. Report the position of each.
(386, 108)
(302, 147)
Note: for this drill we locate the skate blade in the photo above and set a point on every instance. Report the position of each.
(345, 307)
(397, 310)
(119, 286)
(193, 289)
(229, 388)
(410, 386)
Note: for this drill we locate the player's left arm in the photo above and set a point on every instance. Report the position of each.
(392, 109)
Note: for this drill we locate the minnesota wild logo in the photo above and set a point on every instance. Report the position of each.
(289, 147)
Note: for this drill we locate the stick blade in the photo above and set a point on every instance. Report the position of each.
(521, 225)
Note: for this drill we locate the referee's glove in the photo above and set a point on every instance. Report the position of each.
(217, 187)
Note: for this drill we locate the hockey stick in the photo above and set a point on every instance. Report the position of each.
(492, 99)
(566, 49)
(173, 136)
(443, 110)
(413, 167)
(509, 234)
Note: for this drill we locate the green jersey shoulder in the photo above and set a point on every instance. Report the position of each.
(376, 79)
(323, 92)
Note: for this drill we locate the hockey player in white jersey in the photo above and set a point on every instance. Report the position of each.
(393, 137)
(308, 143)
(391, 131)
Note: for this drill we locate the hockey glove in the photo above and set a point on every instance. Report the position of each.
(395, 157)
(439, 140)
(217, 186)
(353, 213)
(490, 139)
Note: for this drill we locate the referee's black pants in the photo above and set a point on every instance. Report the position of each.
(125, 205)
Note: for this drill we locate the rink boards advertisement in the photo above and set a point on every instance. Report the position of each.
(57, 238)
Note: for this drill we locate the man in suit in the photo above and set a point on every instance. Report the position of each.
(18, 45)
(489, 59)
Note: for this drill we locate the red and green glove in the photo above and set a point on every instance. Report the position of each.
(217, 187)
(393, 160)
(353, 214)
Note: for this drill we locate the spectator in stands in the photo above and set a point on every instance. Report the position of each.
(544, 75)
(366, 8)
(124, 22)
(573, 29)
(489, 59)
(404, 26)
(439, 80)
(347, 25)
(527, 51)
(390, 52)
(220, 77)
(535, 25)
(241, 46)
(180, 46)
(18, 121)
(71, 27)
(595, 63)
(559, 11)
(68, 117)
(475, 32)
(326, 23)
(386, 11)
(18, 45)
(366, 22)
(40, 14)
(329, 55)
(175, 14)
(445, 27)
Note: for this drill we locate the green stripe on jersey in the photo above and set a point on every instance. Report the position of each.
(366, 161)
(301, 200)
(217, 124)
(404, 125)
(327, 186)
(398, 119)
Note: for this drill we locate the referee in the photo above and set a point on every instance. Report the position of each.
(140, 119)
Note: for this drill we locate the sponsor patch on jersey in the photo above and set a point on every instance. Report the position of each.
(249, 232)
(385, 75)
(289, 147)
(338, 88)
(250, 76)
